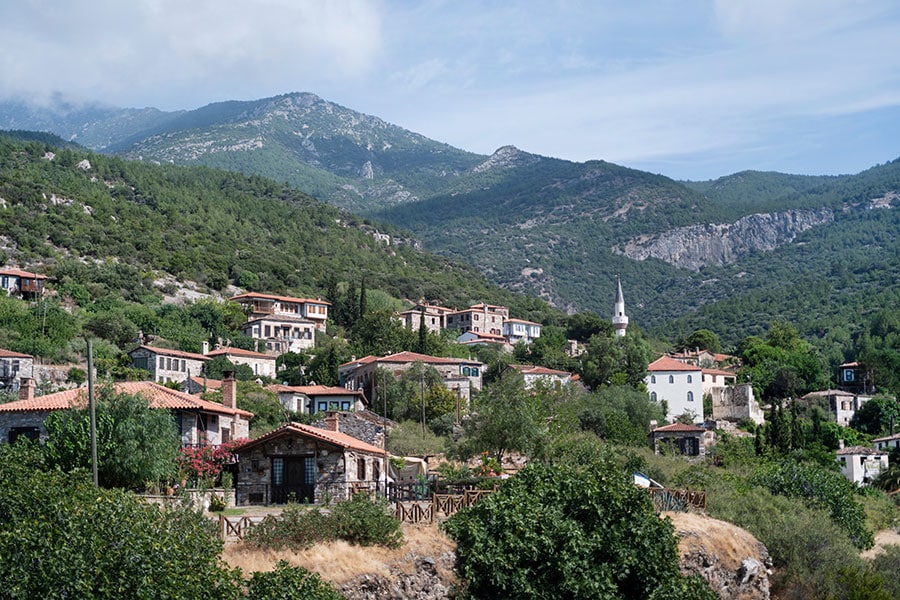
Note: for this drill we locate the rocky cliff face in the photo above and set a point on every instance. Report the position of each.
(698, 246)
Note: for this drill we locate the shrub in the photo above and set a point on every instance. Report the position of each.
(296, 527)
(887, 564)
(367, 522)
(289, 583)
(60, 537)
(820, 488)
(567, 532)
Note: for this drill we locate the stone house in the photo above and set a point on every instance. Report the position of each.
(302, 463)
(14, 367)
(459, 375)
(435, 317)
(678, 384)
(22, 284)
(685, 439)
(265, 305)
(199, 421)
(486, 318)
(861, 464)
(311, 399)
(165, 365)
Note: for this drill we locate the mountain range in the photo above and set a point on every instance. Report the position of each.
(731, 254)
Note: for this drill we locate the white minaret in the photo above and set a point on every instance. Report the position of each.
(619, 320)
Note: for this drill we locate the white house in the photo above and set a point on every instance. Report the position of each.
(519, 330)
(860, 464)
(533, 374)
(281, 334)
(887, 443)
(263, 365)
(843, 405)
(310, 399)
(677, 384)
(261, 305)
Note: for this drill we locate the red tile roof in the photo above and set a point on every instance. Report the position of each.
(252, 295)
(718, 372)
(313, 390)
(336, 438)
(679, 427)
(522, 321)
(666, 363)
(534, 370)
(240, 352)
(22, 274)
(159, 396)
(211, 384)
(168, 352)
(411, 357)
(11, 354)
(863, 450)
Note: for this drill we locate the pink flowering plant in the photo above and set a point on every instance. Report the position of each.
(202, 465)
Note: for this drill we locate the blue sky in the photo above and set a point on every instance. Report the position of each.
(689, 89)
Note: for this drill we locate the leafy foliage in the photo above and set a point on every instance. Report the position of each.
(135, 444)
(289, 583)
(601, 531)
(62, 538)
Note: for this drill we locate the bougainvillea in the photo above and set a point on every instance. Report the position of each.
(202, 465)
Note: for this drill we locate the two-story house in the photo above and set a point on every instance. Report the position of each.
(435, 317)
(165, 365)
(533, 374)
(281, 334)
(458, 374)
(16, 282)
(268, 305)
(311, 399)
(678, 384)
(519, 330)
(486, 318)
(263, 365)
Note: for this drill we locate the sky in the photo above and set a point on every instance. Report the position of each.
(691, 89)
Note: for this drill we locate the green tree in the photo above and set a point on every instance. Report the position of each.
(287, 582)
(704, 339)
(136, 444)
(566, 531)
(60, 537)
(876, 416)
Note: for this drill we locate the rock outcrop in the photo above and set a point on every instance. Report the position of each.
(698, 246)
(421, 578)
(735, 563)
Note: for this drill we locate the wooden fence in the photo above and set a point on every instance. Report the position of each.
(235, 528)
(439, 507)
(665, 499)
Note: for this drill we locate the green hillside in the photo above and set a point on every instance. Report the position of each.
(212, 227)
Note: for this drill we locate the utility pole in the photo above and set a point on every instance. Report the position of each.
(422, 380)
(93, 411)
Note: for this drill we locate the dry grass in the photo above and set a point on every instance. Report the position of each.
(885, 537)
(339, 562)
(729, 543)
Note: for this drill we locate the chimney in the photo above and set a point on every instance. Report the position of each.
(26, 388)
(204, 348)
(331, 421)
(229, 393)
(653, 424)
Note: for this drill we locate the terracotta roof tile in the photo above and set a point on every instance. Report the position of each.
(336, 438)
(159, 396)
(679, 427)
(251, 295)
(317, 390)
(240, 352)
(11, 354)
(168, 352)
(666, 363)
(410, 357)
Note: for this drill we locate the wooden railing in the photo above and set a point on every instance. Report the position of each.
(235, 528)
(440, 506)
(677, 500)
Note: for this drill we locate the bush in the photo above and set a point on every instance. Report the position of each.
(820, 488)
(367, 522)
(60, 537)
(360, 520)
(290, 583)
(568, 532)
(887, 564)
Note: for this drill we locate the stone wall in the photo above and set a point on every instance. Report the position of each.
(9, 421)
(735, 402)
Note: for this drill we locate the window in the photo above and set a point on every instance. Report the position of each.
(671, 379)
(268, 331)
(653, 396)
(848, 375)
(322, 406)
(30, 433)
(376, 470)
(690, 396)
(361, 469)
(345, 405)
(653, 379)
(466, 371)
(162, 362)
(690, 378)
(277, 471)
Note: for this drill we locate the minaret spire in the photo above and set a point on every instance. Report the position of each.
(619, 320)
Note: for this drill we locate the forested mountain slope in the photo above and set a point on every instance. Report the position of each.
(117, 224)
